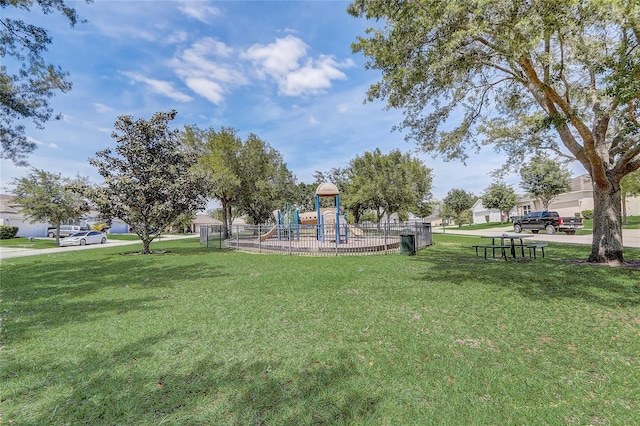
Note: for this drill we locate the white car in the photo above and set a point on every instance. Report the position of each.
(82, 238)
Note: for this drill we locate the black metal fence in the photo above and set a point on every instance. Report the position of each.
(327, 240)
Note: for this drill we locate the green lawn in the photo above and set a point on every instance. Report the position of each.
(197, 336)
(21, 242)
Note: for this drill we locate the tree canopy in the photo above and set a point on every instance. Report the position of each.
(457, 204)
(218, 153)
(523, 76)
(500, 196)
(48, 197)
(26, 80)
(249, 175)
(545, 179)
(266, 182)
(148, 181)
(388, 183)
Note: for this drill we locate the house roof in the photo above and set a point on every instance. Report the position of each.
(203, 219)
(6, 206)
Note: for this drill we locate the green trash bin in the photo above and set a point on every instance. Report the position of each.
(408, 244)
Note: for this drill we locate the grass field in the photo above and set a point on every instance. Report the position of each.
(196, 336)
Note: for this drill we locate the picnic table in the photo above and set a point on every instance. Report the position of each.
(511, 244)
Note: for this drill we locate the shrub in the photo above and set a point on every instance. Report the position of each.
(8, 232)
(587, 214)
(99, 227)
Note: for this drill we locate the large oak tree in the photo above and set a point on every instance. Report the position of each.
(525, 76)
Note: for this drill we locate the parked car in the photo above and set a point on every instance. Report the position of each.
(82, 238)
(550, 222)
(66, 230)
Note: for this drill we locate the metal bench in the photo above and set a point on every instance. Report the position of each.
(503, 249)
(533, 247)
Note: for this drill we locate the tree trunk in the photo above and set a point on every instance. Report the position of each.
(607, 226)
(225, 219)
(146, 242)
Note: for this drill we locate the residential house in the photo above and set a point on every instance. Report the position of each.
(481, 214)
(574, 202)
(570, 203)
(11, 215)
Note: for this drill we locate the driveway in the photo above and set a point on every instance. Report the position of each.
(630, 237)
(11, 252)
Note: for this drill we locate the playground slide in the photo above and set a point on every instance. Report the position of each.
(355, 231)
(269, 234)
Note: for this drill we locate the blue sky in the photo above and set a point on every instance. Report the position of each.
(283, 70)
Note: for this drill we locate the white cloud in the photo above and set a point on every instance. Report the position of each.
(206, 88)
(278, 58)
(313, 78)
(177, 37)
(199, 10)
(207, 69)
(343, 108)
(161, 87)
(102, 108)
(281, 60)
(53, 145)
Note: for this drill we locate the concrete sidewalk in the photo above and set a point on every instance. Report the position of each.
(630, 237)
(12, 252)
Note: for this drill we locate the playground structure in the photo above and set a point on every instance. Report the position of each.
(323, 232)
(329, 223)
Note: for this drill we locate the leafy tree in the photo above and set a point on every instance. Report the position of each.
(304, 196)
(545, 179)
(458, 203)
(500, 196)
(527, 75)
(218, 155)
(184, 221)
(426, 208)
(265, 182)
(148, 181)
(246, 176)
(26, 80)
(389, 183)
(48, 197)
(630, 187)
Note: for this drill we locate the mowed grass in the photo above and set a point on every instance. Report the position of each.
(196, 336)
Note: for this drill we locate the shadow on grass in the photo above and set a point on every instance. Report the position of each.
(40, 293)
(109, 388)
(553, 277)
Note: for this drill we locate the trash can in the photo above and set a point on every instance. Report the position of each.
(408, 244)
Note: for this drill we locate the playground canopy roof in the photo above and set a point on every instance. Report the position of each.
(327, 190)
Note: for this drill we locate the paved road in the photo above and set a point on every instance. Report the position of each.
(630, 237)
(11, 252)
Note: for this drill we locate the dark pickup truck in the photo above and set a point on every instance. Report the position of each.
(548, 221)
